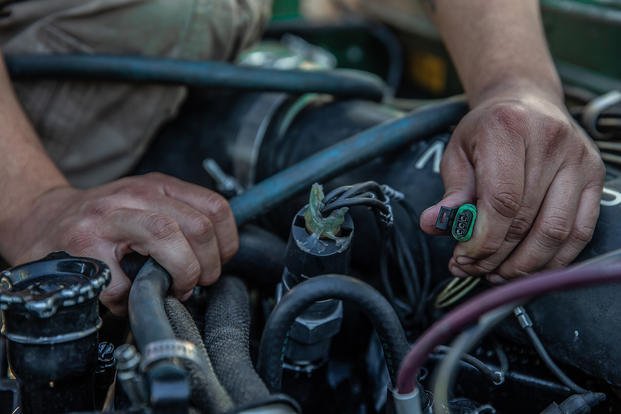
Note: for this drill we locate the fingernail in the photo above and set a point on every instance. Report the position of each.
(456, 271)
(186, 296)
(496, 279)
(464, 260)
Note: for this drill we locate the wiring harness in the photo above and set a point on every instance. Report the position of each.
(413, 277)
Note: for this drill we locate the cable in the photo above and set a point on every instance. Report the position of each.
(527, 324)
(293, 303)
(347, 154)
(204, 74)
(464, 342)
(496, 376)
(465, 314)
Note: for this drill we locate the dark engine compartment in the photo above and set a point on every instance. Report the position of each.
(332, 361)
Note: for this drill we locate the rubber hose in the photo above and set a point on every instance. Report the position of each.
(260, 258)
(227, 340)
(298, 299)
(146, 305)
(208, 394)
(204, 74)
(584, 274)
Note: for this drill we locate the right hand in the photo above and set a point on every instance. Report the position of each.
(188, 229)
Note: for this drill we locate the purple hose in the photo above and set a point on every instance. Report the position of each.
(517, 291)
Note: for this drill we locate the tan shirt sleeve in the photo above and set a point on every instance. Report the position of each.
(96, 132)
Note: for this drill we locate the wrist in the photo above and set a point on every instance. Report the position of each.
(518, 88)
(17, 221)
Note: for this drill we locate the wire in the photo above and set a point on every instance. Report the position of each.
(456, 290)
(465, 314)
(527, 324)
(395, 250)
(445, 373)
(496, 376)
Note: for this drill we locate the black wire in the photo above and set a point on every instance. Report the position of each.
(357, 201)
(496, 376)
(547, 360)
(364, 187)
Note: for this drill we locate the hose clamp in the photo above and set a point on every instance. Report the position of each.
(170, 349)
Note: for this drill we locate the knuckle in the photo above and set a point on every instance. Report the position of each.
(202, 228)
(510, 116)
(481, 267)
(488, 248)
(555, 130)
(192, 272)
(583, 234)
(505, 203)
(514, 271)
(79, 237)
(554, 231)
(520, 226)
(100, 207)
(161, 227)
(219, 209)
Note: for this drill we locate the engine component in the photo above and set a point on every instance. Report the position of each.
(597, 272)
(371, 302)
(50, 313)
(317, 245)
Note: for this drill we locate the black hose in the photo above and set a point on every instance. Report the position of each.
(260, 258)
(227, 340)
(205, 74)
(298, 299)
(146, 305)
(208, 394)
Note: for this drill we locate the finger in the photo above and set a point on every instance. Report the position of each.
(159, 236)
(458, 177)
(538, 180)
(200, 233)
(500, 187)
(582, 232)
(213, 205)
(551, 228)
(114, 296)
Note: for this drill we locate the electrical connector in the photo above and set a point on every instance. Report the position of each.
(460, 220)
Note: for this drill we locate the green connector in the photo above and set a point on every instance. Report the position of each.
(463, 224)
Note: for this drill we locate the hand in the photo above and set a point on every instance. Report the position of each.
(188, 229)
(536, 179)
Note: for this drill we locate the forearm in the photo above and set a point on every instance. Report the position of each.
(496, 43)
(25, 169)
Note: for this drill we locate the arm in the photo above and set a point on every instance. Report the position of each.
(188, 229)
(534, 174)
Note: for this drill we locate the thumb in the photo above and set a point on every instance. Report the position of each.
(459, 183)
